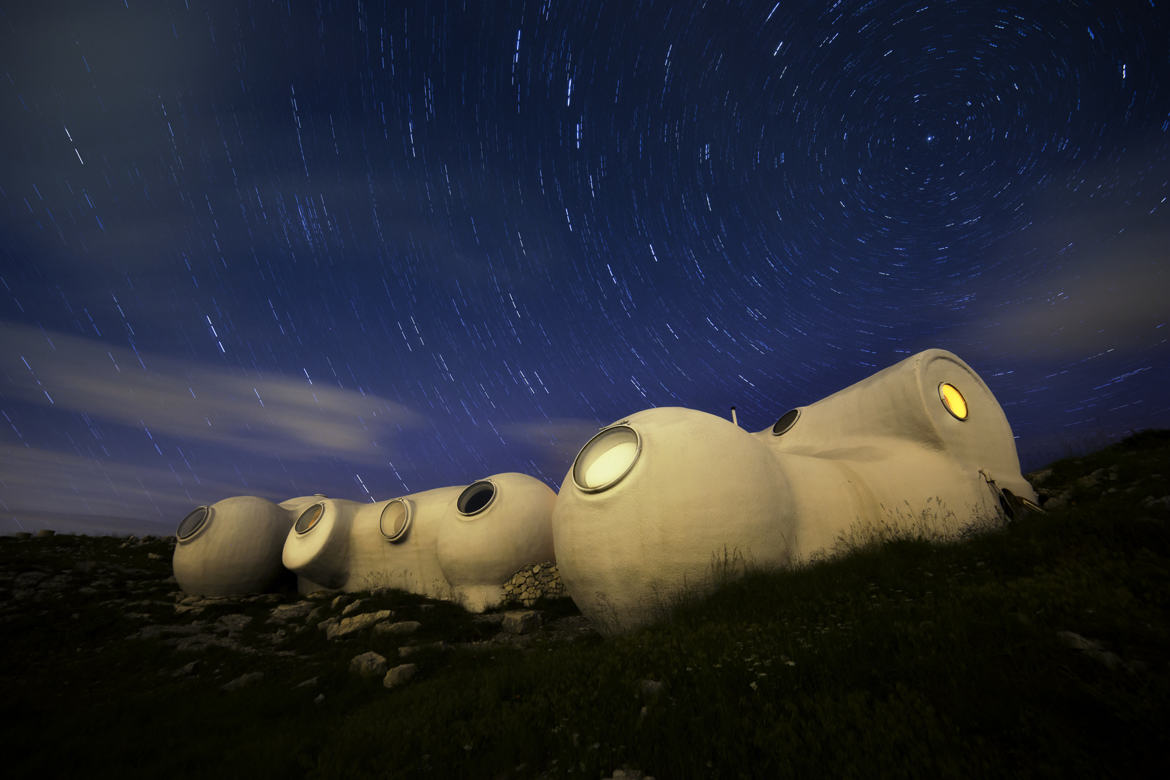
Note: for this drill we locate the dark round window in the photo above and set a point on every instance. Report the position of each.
(395, 520)
(309, 519)
(192, 523)
(785, 423)
(476, 497)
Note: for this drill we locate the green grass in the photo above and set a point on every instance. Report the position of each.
(902, 657)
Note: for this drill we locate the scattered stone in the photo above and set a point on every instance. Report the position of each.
(242, 680)
(401, 628)
(629, 774)
(1151, 502)
(1093, 649)
(369, 664)
(409, 651)
(200, 642)
(183, 609)
(1038, 478)
(159, 632)
(520, 622)
(319, 698)
(29, 579)
(188, 668)
(232, 624)
(309, 683)
(296, 610)
(352, 607)
(45, 533)
(399, 675)
(1058, 501)
(651, 689)
(351, 625)
(339, 602)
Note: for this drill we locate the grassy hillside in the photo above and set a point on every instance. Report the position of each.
(1038, 650)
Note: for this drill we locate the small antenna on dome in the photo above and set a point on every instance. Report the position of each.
(734, 420)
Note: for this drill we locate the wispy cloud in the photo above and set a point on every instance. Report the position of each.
(1108, 294)
(44, 488)
(262, 414)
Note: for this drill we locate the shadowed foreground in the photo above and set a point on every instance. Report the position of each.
(1041, 649)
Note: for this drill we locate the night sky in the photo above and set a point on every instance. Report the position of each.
(366, 250)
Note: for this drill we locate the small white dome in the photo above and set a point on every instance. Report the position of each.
(393, 544)
(317, 545)
(495, 527)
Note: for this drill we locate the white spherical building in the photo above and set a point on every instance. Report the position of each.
(317, 546)
(663, 501)
(231, 548)
(919, 447)
(667, 500)
(494, 527)
(453, 543)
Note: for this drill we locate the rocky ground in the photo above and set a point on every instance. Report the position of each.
(387, 634)
(1039, 650)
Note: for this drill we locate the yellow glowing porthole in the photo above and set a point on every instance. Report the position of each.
(953, 400)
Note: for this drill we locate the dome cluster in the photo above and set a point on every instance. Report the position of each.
(663, 501)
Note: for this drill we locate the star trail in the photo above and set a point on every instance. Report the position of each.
(367, 249)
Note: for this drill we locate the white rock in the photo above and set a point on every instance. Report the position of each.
(520, 621)
(350, 625)
(399, 675)
(297, 609)
(242, 680)
(401, 628)
(369, 664)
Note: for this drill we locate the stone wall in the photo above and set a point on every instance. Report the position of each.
(541, 580)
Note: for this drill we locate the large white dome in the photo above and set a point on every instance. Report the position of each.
(231, 547)
(663, 502)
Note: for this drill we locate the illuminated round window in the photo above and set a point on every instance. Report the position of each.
(395, 520)
(606, 458)
(476, 497)
(953, 400)
(785, 423)
(309, 519)
(193, 522)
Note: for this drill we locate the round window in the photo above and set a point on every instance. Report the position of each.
(192, 523)
(785, 423)
(395, 520)
(606, 458)
(309, 519)
(476, 497)
(953, 400)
